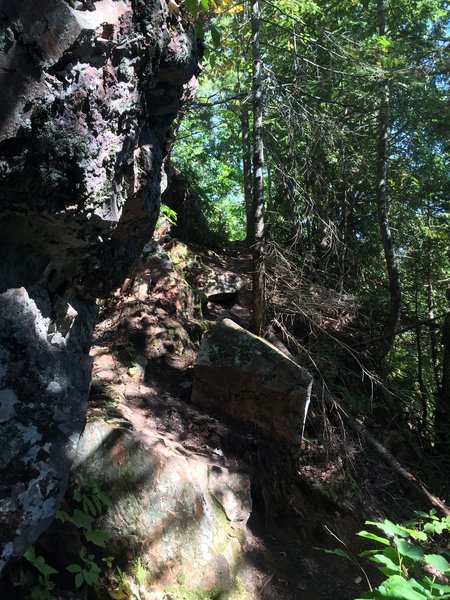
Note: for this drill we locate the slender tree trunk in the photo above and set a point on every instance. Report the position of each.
(442, 414)
(247, 169)
(420, 378)
(395, 294)
(430, 306)
(258, 180)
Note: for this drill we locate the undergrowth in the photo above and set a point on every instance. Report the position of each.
(413, 558)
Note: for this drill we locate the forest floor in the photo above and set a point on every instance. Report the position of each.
(295, 516)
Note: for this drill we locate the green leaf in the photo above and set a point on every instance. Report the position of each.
(438, 562)
(410, 550)
(63, 516)
(104, 498)
(90, 577)
(417, 535)
(74, 568)
(337, 552)
(399, 588)
(191, 6)
(81, 520)
(30, 554)
(97, 537)
(205, 4)
(372, 536)
(89, 506)
(216, 36)
(78, 580)
(39, 563)
(43, 567)
(389, 528)
(391, 566)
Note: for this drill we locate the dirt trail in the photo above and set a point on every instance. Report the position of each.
(143, 376)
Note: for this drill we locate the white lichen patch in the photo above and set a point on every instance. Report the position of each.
(6, 554)
(39, 499)
(30, 434)
(54, 387)
(8, 400)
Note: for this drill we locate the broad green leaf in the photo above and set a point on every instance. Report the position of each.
(74, 568)
(97, 537)
(205, 4)
(81, 519)
(387, 562)
(30, 554)
(191, 6)
(438, 562)
(389, 528)
(399, 588)
(373, 536)
(90, 577)
(417, 535)
(78, 580)
(410, 550)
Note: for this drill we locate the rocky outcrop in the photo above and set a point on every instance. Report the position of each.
(86, 100)
(44, 379)
(184, 518)
(88, 91)
(253, 381)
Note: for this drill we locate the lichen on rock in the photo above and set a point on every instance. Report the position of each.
(87, 98)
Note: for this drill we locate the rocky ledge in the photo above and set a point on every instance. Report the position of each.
(88, 92)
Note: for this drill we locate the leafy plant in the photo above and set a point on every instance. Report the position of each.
(130, 585)
(90, 502)
(87, 572)
(414, 558)
(169, 214)
(45, 585)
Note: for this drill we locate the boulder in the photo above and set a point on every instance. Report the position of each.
(250, 379)
(184, 518)
(44, 380)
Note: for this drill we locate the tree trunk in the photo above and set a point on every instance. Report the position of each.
(258, 180)
(430, 306)
(247, 169)
(381, 200)
(442, 415)
(420, 377)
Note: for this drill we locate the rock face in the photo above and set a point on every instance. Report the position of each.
(86, 102)
(87, 98)
(44, 379)
(253, 381)
(183, 517)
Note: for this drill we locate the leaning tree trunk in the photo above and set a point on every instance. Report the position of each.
(381, 200)
(258, 181)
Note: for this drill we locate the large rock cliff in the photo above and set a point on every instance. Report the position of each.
(88, 92)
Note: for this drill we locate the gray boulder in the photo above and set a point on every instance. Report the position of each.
(44, 381)
(184, 518)
(253, 381)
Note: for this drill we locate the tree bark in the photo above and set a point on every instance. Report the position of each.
(395, 294)
(247, 170)
(442, 414)
(420, 377)
(258, 317)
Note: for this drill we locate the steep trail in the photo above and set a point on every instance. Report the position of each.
(147, 382)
